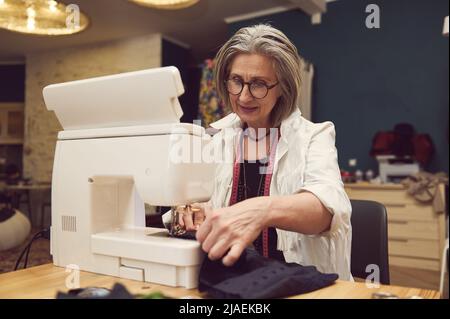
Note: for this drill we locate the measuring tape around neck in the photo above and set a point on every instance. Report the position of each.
(239, 157)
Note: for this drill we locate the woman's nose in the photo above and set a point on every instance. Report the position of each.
(245, 95)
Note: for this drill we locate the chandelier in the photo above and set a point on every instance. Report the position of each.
(42, 17)
(166, 4)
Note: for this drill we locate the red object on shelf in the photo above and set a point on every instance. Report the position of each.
(347, 177)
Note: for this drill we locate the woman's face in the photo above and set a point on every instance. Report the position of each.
(258, 69)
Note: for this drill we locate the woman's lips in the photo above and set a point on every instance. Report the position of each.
(248, 109)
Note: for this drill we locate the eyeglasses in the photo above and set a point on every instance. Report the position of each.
(258, 89)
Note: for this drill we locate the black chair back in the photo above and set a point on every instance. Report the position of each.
(369, 239)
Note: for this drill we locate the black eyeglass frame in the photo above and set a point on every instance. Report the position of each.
(268, 87)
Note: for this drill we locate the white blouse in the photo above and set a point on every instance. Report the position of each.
(305, 160)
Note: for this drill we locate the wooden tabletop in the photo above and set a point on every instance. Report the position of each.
(45, 281)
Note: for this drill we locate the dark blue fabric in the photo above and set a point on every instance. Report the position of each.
(256, 277)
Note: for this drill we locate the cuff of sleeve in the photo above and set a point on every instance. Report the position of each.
(331, 198)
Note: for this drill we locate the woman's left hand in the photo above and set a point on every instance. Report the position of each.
(226, 232)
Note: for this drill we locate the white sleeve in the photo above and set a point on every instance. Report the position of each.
(323, 179)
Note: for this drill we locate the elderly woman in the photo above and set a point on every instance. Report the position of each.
(283, 193)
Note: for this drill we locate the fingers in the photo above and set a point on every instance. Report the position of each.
(199, 217)
(219, 249)
(206, 226)
(203, 230)
(188, 219)
(234, 254)
(211, 239)
(198, 211)
(216, 241)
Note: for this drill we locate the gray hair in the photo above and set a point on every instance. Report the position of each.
(265, 40)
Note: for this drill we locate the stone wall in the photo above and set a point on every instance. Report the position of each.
(44, 68)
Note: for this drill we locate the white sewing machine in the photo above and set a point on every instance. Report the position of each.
(121, 147)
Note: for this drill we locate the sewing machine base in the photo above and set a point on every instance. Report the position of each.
(146, 254)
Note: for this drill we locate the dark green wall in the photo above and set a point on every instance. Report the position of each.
(367, 80)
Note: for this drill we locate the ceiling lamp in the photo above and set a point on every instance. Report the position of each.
(166, 4)
(43, 17)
